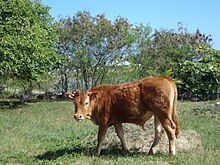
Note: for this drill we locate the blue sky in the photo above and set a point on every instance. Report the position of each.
(194, 14)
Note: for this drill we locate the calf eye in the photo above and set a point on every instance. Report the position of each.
(86, 103)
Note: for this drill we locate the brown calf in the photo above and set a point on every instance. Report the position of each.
(134, 102)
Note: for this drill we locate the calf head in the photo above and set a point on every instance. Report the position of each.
(83, 101)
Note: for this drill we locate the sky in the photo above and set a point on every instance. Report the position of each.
(194, 14)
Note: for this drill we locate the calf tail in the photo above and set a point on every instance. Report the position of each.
(175, 115)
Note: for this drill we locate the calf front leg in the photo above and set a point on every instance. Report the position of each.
(120, 132)
(101, 136)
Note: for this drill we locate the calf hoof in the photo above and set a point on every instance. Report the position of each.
(172, 153)
(152, 152)
(95, 154)
(125, 148)
(126, 151)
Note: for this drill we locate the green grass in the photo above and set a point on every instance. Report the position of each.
(46, 133)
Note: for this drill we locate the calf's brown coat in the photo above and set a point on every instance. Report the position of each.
(135, 102)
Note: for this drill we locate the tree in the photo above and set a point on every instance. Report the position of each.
(26, 40)
(140, 65)
(92, 47)
(190, 56)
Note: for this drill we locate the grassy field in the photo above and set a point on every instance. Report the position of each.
(45, 133)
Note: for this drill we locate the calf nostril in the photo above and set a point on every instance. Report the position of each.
(78, 116)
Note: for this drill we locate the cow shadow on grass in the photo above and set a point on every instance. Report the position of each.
(114, 151)
(53, 155)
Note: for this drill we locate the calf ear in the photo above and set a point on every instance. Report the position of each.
(93, 94)
(70, 95)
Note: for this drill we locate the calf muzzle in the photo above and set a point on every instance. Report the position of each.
(79, 117)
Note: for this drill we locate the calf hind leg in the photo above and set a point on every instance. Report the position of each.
(120, 132)
(169, 127)
(158, 134)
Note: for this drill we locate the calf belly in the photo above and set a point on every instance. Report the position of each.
(135, 118)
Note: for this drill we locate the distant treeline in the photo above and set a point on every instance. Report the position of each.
(82, 50)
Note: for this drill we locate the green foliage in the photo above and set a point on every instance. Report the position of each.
(141, 65)
(26, 40)
(95, 51)
(189, 56)
(201, 77)
(94, 48)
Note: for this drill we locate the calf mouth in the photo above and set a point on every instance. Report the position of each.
(79, 118)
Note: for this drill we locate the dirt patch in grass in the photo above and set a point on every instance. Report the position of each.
(208, 109)
(139, 140)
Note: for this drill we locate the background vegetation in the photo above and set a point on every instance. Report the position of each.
(82, 50)
(26, 42)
